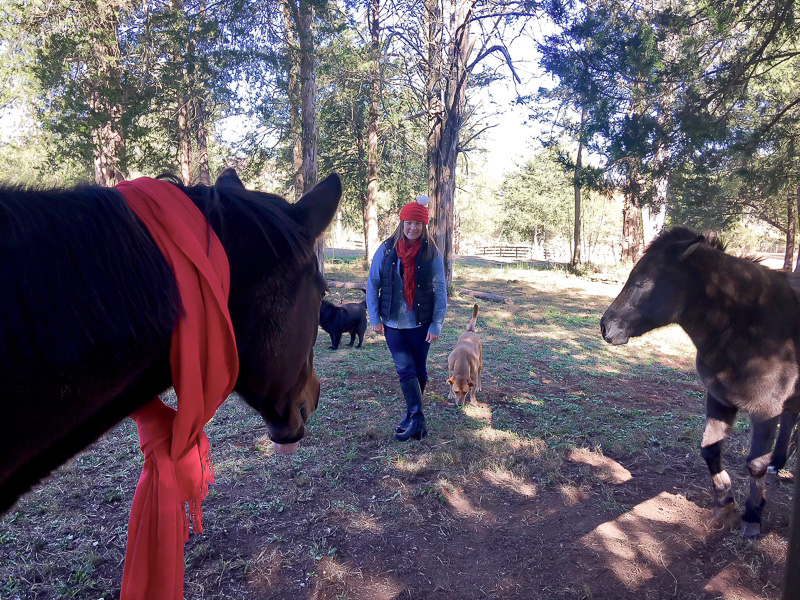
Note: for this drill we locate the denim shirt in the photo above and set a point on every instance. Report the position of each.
(400, 317)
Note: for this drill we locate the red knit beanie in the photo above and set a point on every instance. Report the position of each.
(416, 211)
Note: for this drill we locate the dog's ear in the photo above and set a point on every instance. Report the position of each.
(450, 381)
(471, 384)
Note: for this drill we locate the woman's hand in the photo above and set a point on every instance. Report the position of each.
(378, 328)
(431, 337)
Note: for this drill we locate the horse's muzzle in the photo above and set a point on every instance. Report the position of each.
(301, 407)
(612, 332)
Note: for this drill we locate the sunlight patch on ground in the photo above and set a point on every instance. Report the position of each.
(728, 583)
(573, 494)
(667, 340)
(607, 369)
(513, 483)
(492, 435)
(642, 542)
(533, 447)
(363, 522)
(264, 568)
(402, 463)
(461, 504)
(527, 398)
(603, 467)
(504, 315)
(530, 333)
(562, 335)
(333, 574)
(478, 411)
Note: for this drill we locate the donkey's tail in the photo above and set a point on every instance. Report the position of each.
(471, 326)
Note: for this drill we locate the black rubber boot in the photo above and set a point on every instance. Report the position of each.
(403, 425)
(416, 428)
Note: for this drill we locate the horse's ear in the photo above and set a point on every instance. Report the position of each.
(684, 249)
(229, 178)
(317, 208)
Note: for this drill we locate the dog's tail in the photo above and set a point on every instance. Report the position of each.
(471, 326)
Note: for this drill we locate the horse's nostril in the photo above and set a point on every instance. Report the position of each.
(602, 329)
(304, 412)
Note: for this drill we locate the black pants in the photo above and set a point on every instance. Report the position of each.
(409, 351)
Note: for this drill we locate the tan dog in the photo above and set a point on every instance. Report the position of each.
(465, 363)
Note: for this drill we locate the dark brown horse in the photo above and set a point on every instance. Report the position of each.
(88, 304)
(744, 320)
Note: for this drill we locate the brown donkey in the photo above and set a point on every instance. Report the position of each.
(744, 320)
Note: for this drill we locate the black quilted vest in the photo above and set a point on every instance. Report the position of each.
(392, 286)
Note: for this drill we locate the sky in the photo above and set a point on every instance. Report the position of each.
(514, 138)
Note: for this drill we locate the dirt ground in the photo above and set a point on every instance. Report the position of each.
(576, 475)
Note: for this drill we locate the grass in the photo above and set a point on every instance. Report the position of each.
(332, 520)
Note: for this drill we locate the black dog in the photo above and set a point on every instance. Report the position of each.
(349, 318)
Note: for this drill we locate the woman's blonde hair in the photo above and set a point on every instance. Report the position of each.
(431, 249)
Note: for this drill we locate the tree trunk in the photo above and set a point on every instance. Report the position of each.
(197, 93)
(371, 200)
(184, 108)
(631, 231)
(433, 102)
(201, 134)
(445, 119)
(797, 198)
(308, 101)
(292, 69)
(577, 184)
(184, 140)
(655, 216)
(109, 144)
(791, 230)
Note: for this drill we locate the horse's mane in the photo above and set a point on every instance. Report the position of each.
(712, 239)
(684, 234)
(283, 237)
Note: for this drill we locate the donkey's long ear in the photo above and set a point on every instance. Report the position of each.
(317, 208)
(682, 250)
(229, 178)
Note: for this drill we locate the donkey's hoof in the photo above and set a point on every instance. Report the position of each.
(751, 530)
(771, 478)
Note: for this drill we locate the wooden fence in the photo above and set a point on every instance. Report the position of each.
(519, 252)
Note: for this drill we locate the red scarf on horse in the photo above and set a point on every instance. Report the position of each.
(177, 459)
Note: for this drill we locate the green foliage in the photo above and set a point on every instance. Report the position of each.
(703, 95)
(539, 208)
(343, 108)
(538, 201)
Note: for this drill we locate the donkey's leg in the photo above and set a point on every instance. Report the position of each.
(757, 462)
(719, 419)
(781, 452)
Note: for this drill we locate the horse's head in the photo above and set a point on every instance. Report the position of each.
(276, 289)
(654, 295)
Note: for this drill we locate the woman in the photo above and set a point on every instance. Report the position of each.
(407, 302)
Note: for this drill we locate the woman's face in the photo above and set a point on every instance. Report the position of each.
(412, 230)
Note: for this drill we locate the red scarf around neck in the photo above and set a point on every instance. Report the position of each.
(408, 257)
(177, 458)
